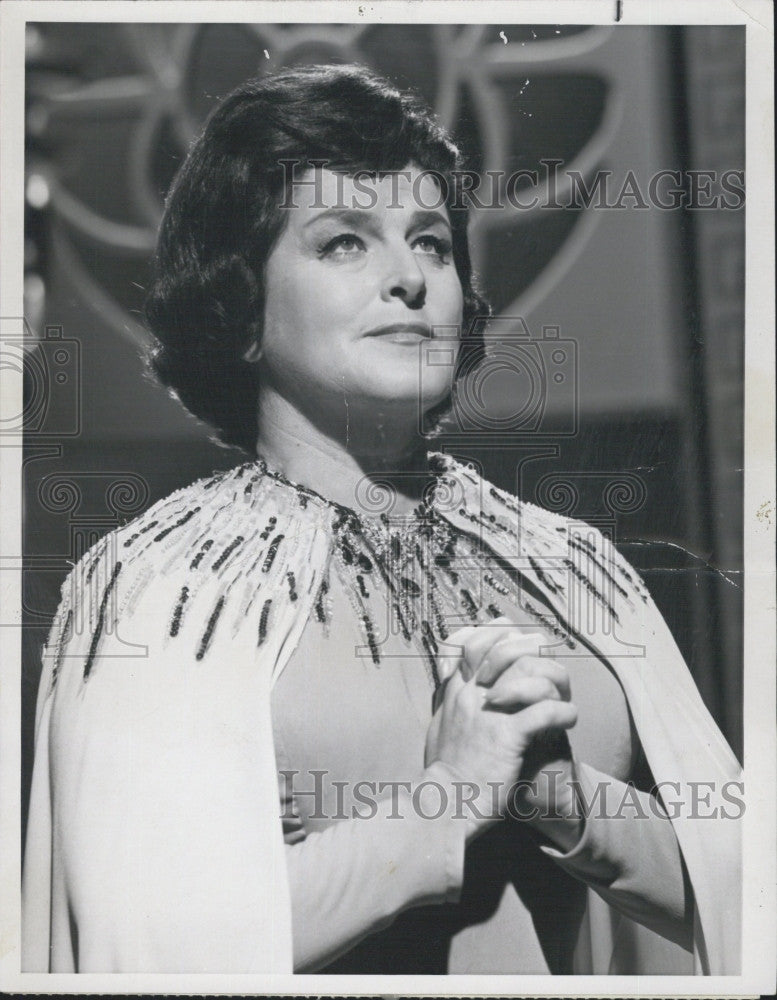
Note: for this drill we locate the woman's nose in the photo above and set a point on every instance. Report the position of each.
(405, 280)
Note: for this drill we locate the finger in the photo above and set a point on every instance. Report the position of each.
(509, 648)
(505, 651)
(514, 691)
(458, 637)
(498, 661)
(452, 651)
(478, 644)
(546, 715)
(447, 690)
(454, 685)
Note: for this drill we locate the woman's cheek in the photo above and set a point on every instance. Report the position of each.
(453, 298)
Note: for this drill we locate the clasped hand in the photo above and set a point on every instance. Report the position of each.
(501, 718)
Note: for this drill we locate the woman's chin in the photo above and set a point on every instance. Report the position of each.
(400, 398)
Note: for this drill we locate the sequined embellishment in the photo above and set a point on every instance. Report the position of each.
(248, 546)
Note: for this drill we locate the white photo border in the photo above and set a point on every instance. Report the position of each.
(760, 514)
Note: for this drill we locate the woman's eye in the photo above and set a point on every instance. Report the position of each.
(344, 245)
(433, 245)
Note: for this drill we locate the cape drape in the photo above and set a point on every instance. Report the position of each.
(154, 836)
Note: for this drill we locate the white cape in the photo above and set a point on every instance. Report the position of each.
(154, 838)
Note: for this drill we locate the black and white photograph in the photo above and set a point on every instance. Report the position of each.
(388, 536)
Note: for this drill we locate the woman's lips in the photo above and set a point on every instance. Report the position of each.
(402, 333)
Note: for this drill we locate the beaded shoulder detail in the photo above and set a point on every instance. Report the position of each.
(570, 562)
(246, 553)
(233, 545)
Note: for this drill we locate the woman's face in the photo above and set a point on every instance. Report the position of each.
(359, 283)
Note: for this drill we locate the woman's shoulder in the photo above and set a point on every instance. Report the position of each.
(228, 558)
(206, 522)
(468, 486)
(239, 524)
(185, 508)
(550, 542)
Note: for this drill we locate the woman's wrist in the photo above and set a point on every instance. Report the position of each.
(463, 799)
(564, 832)
(551, 807)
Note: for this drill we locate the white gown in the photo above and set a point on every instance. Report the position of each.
(154, 838)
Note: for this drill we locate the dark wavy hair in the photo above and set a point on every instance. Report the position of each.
(222, 217)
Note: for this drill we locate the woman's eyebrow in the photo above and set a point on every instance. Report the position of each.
(364, 217)
(349, 216)
(429, 217)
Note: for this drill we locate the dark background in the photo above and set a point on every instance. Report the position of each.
(650, 446)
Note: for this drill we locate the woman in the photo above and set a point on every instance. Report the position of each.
(391, 641)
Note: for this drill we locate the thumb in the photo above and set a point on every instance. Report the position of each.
(452, 652)
(529, 643)
(451, 681)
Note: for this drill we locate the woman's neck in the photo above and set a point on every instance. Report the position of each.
(341, 469)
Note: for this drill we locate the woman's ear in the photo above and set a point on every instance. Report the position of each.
(253, 353)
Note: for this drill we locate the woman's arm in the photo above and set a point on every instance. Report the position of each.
(154, 842)
(355, 877)
(625, 848)
(606, 833)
